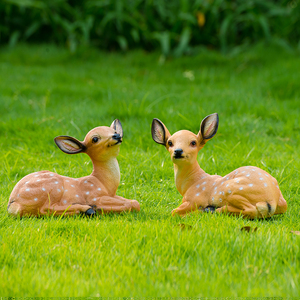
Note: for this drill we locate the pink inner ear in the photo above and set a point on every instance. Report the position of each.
(70, 145)
(159, 135)
(209, 127)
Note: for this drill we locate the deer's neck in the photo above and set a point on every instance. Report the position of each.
(186, 176)
(108, 173)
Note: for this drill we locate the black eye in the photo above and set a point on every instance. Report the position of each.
(193, 143)
(170, 143)
(95, 139)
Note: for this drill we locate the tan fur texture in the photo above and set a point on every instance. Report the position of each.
(47, 193)
(247, 191)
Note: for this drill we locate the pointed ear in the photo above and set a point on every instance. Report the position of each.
(116, 125)
(160, 133)
(208, 127)
(69, 144)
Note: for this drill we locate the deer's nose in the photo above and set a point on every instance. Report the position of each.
(117, 137)
(178, 152)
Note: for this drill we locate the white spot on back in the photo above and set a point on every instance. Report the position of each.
(214, 183)
(27, 190)
(56, 182)
(227, 185)
(43, 189)
(76, 196)
(250, 184)
(213, 198)
(197, 194)
(87, 193)
(197, 186)
(241, 188)
(248, 175)
(261, 178)
(36, 175)
(99, 189)
(65, 201)
(51, 175)
(203, 189)
(92, 185)
(58, 190)
(265, 184)
(35, 199)
(38, 180)
(85, 181)
(220, 199)
(229, 191)
(94, 199)
(72, 185)
(204, 182)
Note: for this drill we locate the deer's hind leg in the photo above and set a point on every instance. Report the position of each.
(281, 206)
(239, 206)
(67, 210)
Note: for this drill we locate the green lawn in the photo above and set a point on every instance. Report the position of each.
(45, 92)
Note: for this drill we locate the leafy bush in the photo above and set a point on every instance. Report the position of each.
(173, 26)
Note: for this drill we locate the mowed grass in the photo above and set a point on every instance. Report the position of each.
(45, 92)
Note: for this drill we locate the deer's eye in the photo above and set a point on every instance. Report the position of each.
(193, 143)
(170, 143)
(95, 139)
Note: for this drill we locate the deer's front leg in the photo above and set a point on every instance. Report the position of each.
(117, 204)
(185, 208)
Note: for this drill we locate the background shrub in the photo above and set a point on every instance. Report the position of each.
(175, 27)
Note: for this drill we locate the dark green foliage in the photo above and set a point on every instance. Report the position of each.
(175, 27)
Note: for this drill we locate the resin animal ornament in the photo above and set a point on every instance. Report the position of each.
(45, 192)
(248, 191)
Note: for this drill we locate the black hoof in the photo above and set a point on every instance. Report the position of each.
(210, 209)
(90, 212)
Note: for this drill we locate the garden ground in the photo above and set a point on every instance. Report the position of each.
(45, 92)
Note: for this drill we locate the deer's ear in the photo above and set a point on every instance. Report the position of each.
(69, 144)
(116, 125)
(160, 133)
(209, 127)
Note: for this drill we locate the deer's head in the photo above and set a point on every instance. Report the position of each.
(101, 143)
(184, 145)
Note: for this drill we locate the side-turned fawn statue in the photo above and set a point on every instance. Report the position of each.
(247, 191)
(45, 192)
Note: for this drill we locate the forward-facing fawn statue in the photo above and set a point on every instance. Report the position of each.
(248, 191)
(46, 193)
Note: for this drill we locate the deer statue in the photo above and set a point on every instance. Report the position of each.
(247, 191)
(46, 193)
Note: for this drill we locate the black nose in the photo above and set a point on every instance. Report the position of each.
(117, 137)
(178, 152)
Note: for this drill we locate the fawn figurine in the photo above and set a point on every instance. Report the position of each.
(45, 192)
(248, 191)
